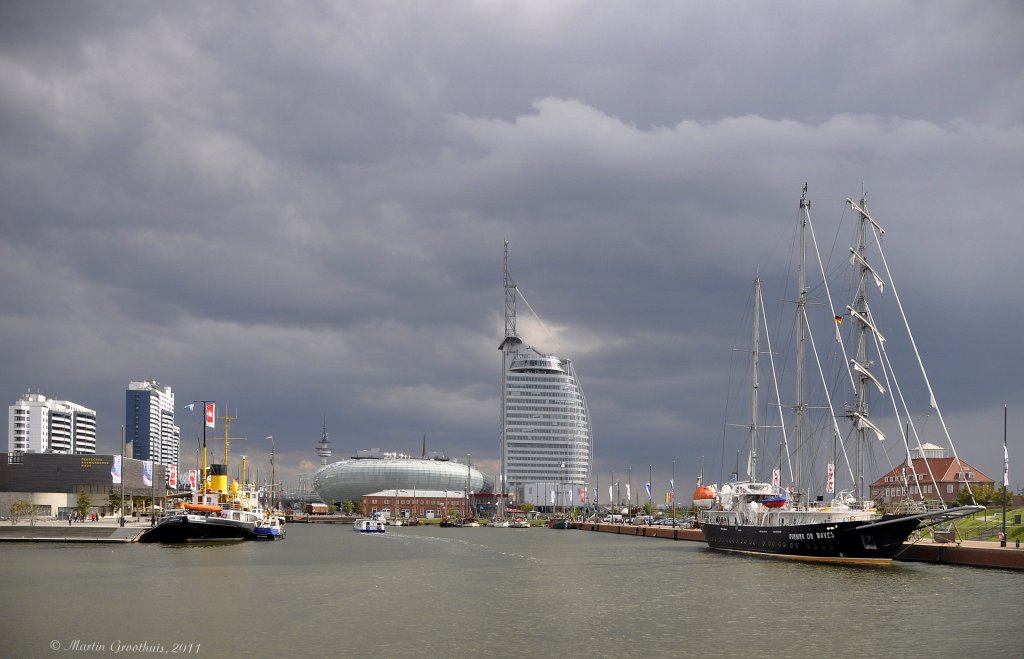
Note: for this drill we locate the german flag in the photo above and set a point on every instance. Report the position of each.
(839, 320)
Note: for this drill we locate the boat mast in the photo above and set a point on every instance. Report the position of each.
(755, 361)
(800, 408)
(861, 403)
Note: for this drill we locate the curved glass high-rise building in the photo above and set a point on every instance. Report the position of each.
(545, 426)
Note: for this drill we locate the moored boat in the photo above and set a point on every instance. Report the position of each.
(269, 527)
(765, 518)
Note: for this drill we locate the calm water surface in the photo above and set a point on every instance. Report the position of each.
(432, 592)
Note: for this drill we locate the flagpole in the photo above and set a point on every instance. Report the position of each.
(1006, 479)
(650, 486)
(673, 493)
(122, 522)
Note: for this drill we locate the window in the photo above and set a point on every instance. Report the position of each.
(949, 489)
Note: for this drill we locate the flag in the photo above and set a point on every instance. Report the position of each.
(583, 495)
(1006, 467)
(172, 476)
(115, 470)
(552, 497)
(668, 497)
(147, 472)
(611, 495)
(191, 407)
(831, 487)
(210, 423)
(628, 498)
(839, 320)
(648, 486)
(776, 477)
(192, 476)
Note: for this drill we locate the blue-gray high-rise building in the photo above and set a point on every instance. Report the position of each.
(149, 423)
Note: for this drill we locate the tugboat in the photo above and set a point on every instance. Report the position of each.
(217, 511)
(209, 516)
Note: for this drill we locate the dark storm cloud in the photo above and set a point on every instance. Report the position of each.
(299, 208)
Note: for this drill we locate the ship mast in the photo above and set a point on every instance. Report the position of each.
(755, 357)
(800, 407)
(861, 405)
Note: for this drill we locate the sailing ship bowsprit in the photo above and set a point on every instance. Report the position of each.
(766, 518)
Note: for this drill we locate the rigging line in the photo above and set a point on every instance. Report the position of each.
(775, 383)
(831, 304)
(917, 354)
(890, 384)
(832, 411)
(558, 347)
(894, 385)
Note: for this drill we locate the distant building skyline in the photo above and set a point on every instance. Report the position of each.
(37, 424)
(149, 425)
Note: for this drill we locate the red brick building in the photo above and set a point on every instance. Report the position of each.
(934, 479)
(422, 504)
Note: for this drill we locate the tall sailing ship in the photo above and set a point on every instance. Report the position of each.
(765, 518)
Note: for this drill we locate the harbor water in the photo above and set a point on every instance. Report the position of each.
(430, 592)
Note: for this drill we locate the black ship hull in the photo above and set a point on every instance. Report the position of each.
(874, 542)
(181, 529)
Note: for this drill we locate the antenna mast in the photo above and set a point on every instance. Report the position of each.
(507, 346)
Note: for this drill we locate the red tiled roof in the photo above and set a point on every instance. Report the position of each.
(944, 469)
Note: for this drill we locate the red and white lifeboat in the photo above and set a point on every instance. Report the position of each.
(704, 496)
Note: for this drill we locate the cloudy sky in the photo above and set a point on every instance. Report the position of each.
(298, 209)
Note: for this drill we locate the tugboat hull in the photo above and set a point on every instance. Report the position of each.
(186, 528)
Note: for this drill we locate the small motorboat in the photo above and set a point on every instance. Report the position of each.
(367, 525)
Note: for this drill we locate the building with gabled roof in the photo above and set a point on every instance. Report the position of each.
(933, 478)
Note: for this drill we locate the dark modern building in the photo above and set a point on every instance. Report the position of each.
(52, 482)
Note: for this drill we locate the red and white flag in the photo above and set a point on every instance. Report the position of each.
(831, 489)
(192, 479)
(210, 423)
(172, 476)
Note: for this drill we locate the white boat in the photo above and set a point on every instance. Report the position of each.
(269, 527)
(500, 524)
(367, 525)
(519, 524)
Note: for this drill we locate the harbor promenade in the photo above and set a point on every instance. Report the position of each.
(106, 529)
(973, 553)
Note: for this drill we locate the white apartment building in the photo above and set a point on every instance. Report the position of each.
(149, 423)
(37, 424)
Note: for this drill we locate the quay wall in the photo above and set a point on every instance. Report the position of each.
(968, 553)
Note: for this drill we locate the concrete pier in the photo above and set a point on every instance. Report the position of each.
(971, 553)
(104, 530)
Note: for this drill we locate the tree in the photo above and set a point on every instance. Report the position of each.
(526, 507)
(82, 504)
(115, 501)
(22, 508)
(985, 495)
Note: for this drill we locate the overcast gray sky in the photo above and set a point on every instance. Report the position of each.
(298, 209)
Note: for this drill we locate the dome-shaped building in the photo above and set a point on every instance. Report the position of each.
(369, 472)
